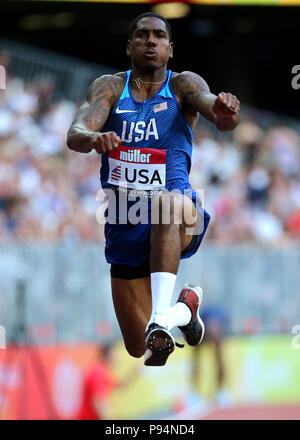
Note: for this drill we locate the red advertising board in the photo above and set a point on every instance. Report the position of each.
(44, 382)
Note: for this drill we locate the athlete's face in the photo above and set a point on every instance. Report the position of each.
(150, 46)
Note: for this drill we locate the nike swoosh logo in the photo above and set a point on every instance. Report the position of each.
(124, 111)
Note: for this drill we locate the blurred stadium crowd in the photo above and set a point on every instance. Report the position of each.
(48, 193)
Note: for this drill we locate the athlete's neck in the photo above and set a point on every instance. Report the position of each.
(146, 79)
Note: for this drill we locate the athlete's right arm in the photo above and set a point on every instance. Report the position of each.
(85, 134)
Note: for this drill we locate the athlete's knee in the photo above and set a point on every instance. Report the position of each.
(134, 346)
(135, 350)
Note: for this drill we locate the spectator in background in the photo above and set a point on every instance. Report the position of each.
(215, 324)
(251, 179)
(99, 383)
(202, 397)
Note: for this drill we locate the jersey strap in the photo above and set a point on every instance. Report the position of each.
(166, 91)
(125, 93)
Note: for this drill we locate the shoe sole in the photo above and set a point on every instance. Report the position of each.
(198, 291)
(159, 345)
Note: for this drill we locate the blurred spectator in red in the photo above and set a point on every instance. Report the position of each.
(99, 383)
(293, 225)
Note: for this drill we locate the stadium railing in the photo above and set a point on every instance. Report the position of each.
(67, 288)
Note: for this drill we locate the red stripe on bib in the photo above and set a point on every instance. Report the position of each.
(139, 155)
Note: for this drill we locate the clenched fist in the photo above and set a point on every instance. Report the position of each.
(226, 105)
(105, 142)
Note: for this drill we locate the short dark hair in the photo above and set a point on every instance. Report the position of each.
(145, 15)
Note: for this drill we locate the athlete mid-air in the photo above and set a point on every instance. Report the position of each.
(141, 122)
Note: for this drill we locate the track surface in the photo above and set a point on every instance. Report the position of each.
(254, 412)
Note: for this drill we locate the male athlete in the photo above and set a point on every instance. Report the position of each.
(141, 122)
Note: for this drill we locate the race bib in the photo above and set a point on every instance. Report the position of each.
(137, 168)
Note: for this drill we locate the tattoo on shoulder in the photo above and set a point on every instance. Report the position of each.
(102, 95)
(107, 87)
(187, 84)
(194, 93)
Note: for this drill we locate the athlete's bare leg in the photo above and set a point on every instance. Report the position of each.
(174, 218)
(133, 305)
(133, 298)
(169, 239)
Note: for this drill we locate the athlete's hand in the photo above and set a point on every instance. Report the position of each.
(105, 142)
(226, 105)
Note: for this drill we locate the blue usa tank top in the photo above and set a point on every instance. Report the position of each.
(155, 154)
(156, 146)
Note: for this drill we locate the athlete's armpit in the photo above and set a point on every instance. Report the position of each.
(194, 93)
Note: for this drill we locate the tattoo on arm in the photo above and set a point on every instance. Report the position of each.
(194, 93)
(102, 95)
(91, 117)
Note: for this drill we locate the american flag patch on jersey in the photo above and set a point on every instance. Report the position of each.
(160, 107)
(116, 173)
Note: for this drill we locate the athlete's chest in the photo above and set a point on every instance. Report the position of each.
(136, 121)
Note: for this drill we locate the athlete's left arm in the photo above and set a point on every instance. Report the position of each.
(194, 93)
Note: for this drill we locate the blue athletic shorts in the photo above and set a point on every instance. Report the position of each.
(130, 244)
